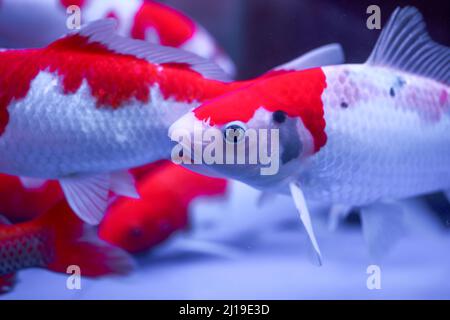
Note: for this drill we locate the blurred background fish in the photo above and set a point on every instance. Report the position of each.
(32, 23)
(19, 203)
(57, 238)
(108, 103)
(55, 241)
(166, 194)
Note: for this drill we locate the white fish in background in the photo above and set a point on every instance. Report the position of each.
(92, 105)
(37, 23)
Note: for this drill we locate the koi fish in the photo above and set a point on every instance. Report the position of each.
(352, 135)
(37, 23)
(166, 193)
(55, 241)
(147, 20)
(94, 104)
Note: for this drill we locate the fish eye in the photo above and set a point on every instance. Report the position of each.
(279, 116)
(234, 132)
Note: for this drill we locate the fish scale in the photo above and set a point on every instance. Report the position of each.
(24, 249)
(56, 240)
(107, 139)
(380, 147)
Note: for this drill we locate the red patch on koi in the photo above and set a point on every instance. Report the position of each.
(113, 15)
(100, 67)
(299, 94)
(173, 28)
(68, 3)
(113, 78)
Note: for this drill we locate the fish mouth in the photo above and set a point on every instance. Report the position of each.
(184, 125)
(184, 132)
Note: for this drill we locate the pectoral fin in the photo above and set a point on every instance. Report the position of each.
(265, 198)
(305, 217)
(383, 225)
(88, 194)
(338, 212)
(191, 244)
(123, 183)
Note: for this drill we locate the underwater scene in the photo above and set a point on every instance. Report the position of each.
(224, 150)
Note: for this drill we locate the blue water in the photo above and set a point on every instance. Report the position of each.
(237, 250)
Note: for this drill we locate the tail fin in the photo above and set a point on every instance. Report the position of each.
(75, 244)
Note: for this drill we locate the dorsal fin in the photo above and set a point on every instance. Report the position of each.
(405, 44)
(330, 54)
(104, 32)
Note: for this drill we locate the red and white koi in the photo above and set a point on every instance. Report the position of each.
(25, 23)
(94, 103)
(350, 135)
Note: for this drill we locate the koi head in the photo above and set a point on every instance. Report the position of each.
(258, 134)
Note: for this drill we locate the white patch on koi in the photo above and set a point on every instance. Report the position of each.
(200, 43)
(355, 87)
(53, 134)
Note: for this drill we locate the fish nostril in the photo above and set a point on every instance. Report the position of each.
(136, 233)
(165, 226)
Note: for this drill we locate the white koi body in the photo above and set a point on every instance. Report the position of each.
(388, 137)
(92, 105)
(87, 138)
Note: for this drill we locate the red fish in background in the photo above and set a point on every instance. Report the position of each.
(166, 193)
(19, 203)
(54, 241)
